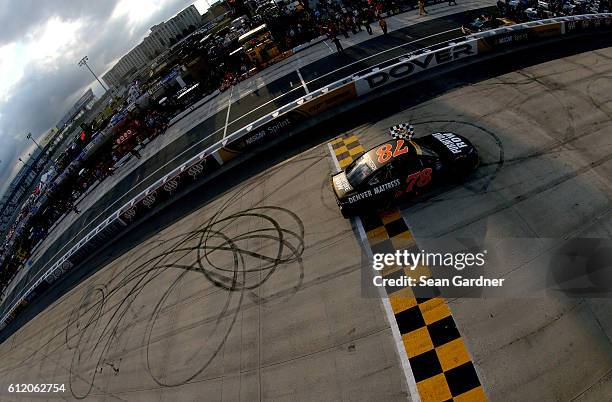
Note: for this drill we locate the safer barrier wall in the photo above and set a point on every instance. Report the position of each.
(288, 118)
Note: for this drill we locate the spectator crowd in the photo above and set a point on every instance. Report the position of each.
(89, 159)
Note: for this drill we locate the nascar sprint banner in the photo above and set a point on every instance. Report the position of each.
(534, 31)
(259, 135)
(406, 68)
(516, 35)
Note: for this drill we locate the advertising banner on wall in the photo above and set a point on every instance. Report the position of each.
(413, 65)
(587, 23)
(189, 174)
(329, 100)
(518, 36)
(259, 135)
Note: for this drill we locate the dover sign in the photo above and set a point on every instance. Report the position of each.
(415, 64)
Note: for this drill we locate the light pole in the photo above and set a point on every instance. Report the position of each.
(29, 165)
(30, 137)
(83, 62)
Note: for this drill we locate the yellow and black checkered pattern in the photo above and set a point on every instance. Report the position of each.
(438, 357)
(347, 148)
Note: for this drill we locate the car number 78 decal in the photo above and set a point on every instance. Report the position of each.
(421, 179)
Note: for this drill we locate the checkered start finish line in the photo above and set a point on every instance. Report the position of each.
(438, 357)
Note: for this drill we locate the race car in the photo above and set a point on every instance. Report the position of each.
(485, 22)
(402, 167)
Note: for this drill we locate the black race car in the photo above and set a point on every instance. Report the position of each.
(402, 166)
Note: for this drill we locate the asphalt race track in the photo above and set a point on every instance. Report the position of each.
(257, 295)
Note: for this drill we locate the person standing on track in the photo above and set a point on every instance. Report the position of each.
(343, 28)
(357, 19)
(135, 152)
(366, 24)
(422, 10)
(339, 47)
(383, 25)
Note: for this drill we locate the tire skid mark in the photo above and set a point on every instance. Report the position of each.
(526, 195)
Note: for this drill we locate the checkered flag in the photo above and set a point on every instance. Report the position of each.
(403, 131)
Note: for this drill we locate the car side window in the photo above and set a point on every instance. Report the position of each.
(374, 180)
(381, 176)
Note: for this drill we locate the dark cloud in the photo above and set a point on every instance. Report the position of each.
(39, 100)
(18, 17)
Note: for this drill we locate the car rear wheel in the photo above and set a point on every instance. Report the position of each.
(463, 169)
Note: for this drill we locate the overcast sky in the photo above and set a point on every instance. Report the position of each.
(40, 45)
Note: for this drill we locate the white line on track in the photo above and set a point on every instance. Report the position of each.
(329, 47)
(386, 305)
(333, 156)
(229, 107)
(297, 70)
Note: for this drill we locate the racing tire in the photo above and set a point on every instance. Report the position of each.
(345, 213)
(463, 170)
